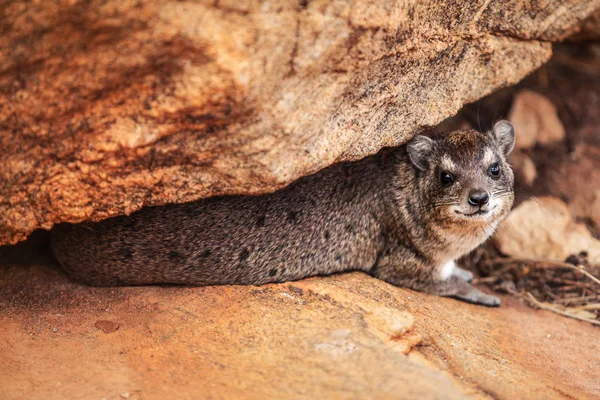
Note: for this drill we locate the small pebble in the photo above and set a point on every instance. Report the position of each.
(107, 326)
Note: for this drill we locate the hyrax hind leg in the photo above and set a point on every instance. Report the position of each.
(451, 281)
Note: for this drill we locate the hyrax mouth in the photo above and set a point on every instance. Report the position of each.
(479, 212)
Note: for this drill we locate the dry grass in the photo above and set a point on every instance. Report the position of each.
(569, 288)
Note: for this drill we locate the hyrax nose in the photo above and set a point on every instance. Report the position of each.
(478, 198)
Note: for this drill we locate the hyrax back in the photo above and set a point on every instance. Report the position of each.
(321, 224)
(403, 215)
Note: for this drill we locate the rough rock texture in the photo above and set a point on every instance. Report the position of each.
(543, 228)
(343, 337)
(106, 106)
(590, 28)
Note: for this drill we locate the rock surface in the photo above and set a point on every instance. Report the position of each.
(590, 28)
(535, 119)
(570, 169)
(343, 337)
(543, 228)
(523, 168)
(567, 168)
(107, 106)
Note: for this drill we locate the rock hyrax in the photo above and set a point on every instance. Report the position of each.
(403, 215)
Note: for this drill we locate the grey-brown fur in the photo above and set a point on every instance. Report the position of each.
(388, 215)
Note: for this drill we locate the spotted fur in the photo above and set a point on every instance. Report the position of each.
(388, 215)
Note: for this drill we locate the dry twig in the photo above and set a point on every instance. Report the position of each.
(547, 307)
(570, 288)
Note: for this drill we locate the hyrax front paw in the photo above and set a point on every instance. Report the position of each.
(476, 296)
(462, 274)
(459, 289)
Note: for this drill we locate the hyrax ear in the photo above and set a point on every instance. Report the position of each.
(504, 132)
(419, 149)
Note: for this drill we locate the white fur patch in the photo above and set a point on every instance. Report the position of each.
(494, 202)
(460, 243)
(488, 157)
(446, 270)
(447, 164)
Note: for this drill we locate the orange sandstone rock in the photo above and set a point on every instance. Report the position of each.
(107, 106)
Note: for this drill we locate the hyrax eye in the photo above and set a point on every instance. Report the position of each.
(446, 178)
(494, 171)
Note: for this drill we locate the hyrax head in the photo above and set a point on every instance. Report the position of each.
(463, 176)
